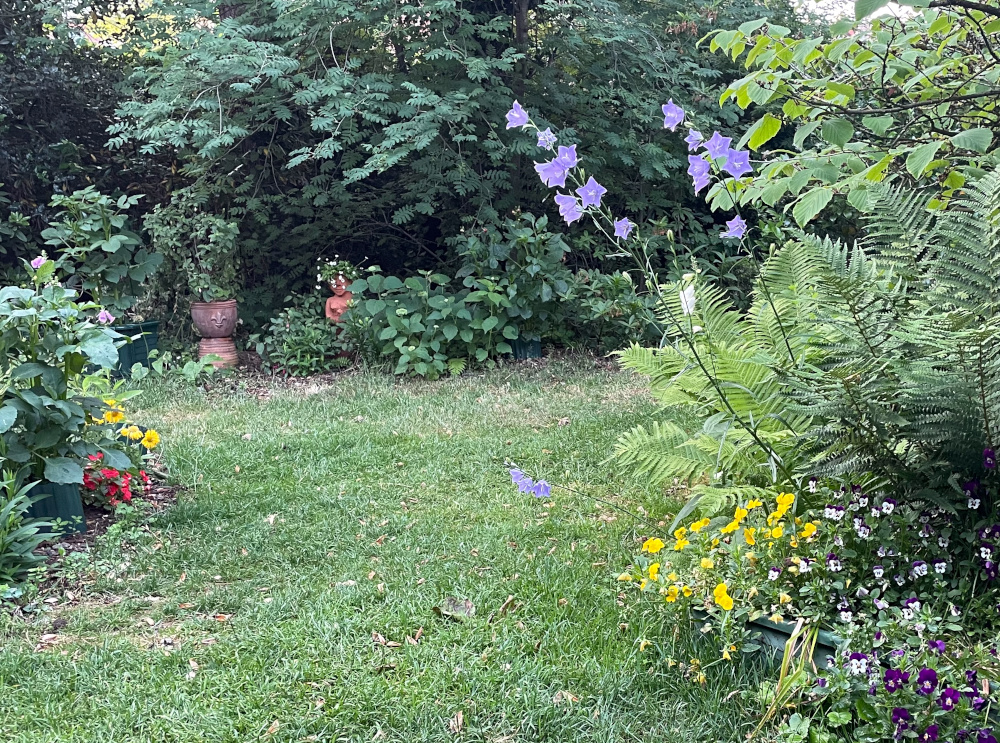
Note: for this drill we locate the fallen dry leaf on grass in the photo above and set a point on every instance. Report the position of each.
(379, 639)
(564, 697)
(273, 729)
(455, 609)
(456, 722)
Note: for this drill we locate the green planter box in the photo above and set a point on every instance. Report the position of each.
(527, 349)
(776, 634)
(60, 502)
(137, 351)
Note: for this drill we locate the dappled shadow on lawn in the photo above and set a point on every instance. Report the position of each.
(353, 564)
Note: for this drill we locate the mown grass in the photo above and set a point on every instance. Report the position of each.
(320, 516)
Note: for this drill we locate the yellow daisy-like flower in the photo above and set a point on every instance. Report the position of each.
(750, 536)
(113, 416)
(681, 544)
(707, 563)
(151, 439)
(133, 433)
(699, 525)
(111, 403)
(654, 571)
(652, 546)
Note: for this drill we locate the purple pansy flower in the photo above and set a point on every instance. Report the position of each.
(693, 139)
(989, 459)
(623, 227)
(718, 145)
(895, 680)
(517, 116)
(38, 262)
(900, 715)
(978, 703)
(985, 736)
(591, 192)
(858, 664)
(735, 228)
(926, 681)
(546, 139)
(833, 563)
(929, 735)
(737, 163)
(936, 646)
(673, 115)
(971, 677)
(949, 698)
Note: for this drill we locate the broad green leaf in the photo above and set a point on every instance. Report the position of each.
(837, 131)
(489, 323)
(864, 8)
(918, 160)
(978, 140)
(878, 124)
(804, 131)
(811, 204)
(763, 131)
(858, 198)
(63, 471)
(794, 110)
(449, 331)
(8, 416)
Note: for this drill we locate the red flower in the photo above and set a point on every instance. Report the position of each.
(96, 457)
(113, 491)
(88, 481)
(110, 474)
(144, 476)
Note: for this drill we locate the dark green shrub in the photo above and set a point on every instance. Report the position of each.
(19, 535)
(301, 341)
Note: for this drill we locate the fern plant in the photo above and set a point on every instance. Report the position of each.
(876, 362)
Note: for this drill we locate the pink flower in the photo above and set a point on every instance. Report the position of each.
(105, 317)
(38, 262)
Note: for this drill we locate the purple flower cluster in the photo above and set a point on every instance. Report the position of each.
(525, 484)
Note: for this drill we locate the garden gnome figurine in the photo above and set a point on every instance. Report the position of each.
(338, 303)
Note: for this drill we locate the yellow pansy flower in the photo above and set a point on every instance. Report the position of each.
(808, 530)
(730, 527)
(672, 593)
(741, 513)
(777, 532)
(652, 546)
(654, 571)
(151, 439)
(681, 544)
(679, 534)
(707, 563)
(672, 576)
(715, 542)
(699, 525)
(750, 536)
(686, 590)
(784, 599)
(624, 577)
(786, 499)
(754, 503)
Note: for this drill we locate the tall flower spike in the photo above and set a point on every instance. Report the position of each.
(736, 228)
(737, 163)
(623, 228)
(546, 139)
(567, 157)
(673, 115)
(718, 145)
(591, 193)
(552, 173)
(517, 116)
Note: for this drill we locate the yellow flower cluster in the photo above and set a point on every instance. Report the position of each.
(741, 513)
(722, 597)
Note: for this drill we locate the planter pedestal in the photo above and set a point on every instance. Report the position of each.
(59, 502)
(221, 347)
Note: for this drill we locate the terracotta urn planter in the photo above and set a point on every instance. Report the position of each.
(215, 321)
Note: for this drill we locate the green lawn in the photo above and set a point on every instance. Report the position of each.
(322, 520)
